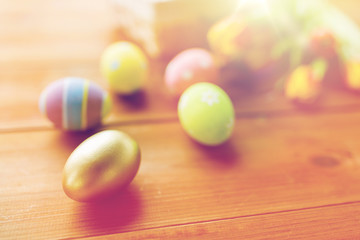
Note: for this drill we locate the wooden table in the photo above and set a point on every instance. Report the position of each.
(285, 173)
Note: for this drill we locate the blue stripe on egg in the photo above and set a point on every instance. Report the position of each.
(73, 103)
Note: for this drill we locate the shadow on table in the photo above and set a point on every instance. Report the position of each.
(70, 140)
(225, 155)
(136, 101)
(110, 215)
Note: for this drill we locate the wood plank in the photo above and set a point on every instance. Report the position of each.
(342, 222)
(21, 90)
(49, 32)
(271, 164)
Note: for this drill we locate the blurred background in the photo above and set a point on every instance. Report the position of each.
(60, 28)
(68, 37)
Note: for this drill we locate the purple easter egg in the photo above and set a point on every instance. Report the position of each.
(74, 104)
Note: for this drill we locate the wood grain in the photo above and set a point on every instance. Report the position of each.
(270, 165)
(50, 32)
(302, 224)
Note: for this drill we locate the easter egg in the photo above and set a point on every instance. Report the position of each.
(74, 104)
(206, 113)
(100, 166)
(188, 67)
(125, 67)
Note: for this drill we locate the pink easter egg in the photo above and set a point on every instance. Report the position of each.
(188, 67)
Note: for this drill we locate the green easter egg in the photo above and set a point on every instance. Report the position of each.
(125, 67)
(206, 113)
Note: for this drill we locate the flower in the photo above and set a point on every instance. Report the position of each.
(210, 97)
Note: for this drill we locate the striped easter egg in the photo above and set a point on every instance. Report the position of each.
(74, 104)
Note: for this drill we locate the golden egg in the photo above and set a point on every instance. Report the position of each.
(101, 165)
